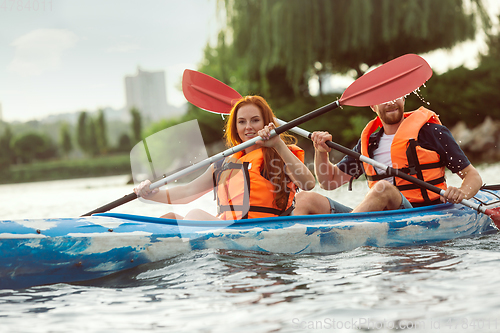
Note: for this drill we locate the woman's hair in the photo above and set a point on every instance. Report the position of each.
(273, 168)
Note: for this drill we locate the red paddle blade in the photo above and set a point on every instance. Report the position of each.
(388, 82)
(208, 93)
(494, 214)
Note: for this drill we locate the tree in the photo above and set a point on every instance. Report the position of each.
(101, 132)
(136, 125)
(124, 144)
(82, 132)
(93, 147)
(467, 95)
(6, 152)
(283, 40)
(31, 146)
(65, 139)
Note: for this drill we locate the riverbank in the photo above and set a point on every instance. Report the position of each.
(67, 169)
(480, 144)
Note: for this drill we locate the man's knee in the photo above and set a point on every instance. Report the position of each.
(382, 187)
(388, 193)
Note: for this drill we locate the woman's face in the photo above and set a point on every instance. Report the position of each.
(249, 121)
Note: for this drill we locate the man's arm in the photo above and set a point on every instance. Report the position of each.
(471, 183)
(439, 138)
(329, 175)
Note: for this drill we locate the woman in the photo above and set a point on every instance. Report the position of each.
(259, 181)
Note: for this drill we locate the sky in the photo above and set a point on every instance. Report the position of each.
(69, 56)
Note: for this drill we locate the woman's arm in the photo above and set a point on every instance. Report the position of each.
(181, 194)
(294, 168)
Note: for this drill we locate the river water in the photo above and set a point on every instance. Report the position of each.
(446, 287)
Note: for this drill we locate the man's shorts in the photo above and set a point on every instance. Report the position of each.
(338, 208)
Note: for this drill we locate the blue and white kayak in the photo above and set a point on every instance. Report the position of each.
(45, 251)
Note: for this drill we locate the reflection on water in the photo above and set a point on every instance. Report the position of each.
(419, 260)
(255, 292)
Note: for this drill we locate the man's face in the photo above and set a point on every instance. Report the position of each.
(391, 112)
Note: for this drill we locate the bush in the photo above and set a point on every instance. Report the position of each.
(52, 170)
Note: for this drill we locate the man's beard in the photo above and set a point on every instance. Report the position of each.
(392, 118)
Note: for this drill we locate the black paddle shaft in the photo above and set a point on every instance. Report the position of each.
(307, 116)
(390, 171)
(128, 197)
(114, 204)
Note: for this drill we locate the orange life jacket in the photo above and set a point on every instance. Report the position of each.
(409, 157)
(241, 190)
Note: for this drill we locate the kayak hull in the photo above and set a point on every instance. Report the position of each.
(46, 251)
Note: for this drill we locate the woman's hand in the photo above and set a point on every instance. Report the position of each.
(319, 140)
(265, 134)
(143, 190)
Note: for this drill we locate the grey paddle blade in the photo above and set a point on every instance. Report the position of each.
(167, 152)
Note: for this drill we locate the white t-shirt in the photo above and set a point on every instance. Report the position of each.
(383, 154)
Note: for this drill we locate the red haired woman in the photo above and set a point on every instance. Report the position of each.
(259, 181)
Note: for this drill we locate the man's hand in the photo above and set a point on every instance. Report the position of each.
(319, 140)
(453, 195)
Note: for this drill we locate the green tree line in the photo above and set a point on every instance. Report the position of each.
(89, 136)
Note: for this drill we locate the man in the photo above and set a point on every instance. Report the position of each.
(415, 142)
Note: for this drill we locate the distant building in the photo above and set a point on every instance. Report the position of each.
(146, 91)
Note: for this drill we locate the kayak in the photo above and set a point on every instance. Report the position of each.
(47, 251)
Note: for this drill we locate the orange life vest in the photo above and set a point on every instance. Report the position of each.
(241, 190)
(408, 156)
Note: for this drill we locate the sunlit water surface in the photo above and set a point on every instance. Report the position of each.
(445, 287)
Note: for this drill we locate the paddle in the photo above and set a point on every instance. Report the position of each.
(392, 80)
(387, 82)
(212, 95)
